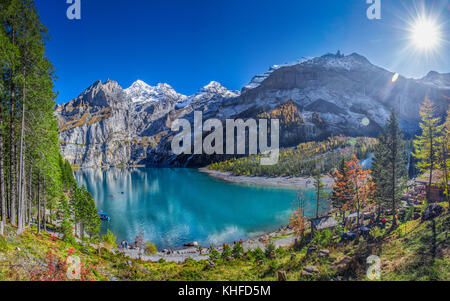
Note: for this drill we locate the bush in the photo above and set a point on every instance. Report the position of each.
(226, 252)
(272, 267)
(376, 232)
(110, 239)
(270, 249)
(409, 214)
(3, 244)
(323, 238)
(67, 229)
(258, 254)
(150, 248)
(214, 254)
(238, 251)
(281, 251)
(339, 230)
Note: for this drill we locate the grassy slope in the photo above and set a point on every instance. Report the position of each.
(405, 254)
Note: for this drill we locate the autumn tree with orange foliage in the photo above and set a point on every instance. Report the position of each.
(362, 186)
(342, 193)
(298, 220)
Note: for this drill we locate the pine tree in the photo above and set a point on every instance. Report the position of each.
(67, 228)
(28, 127)
(444, 157)
(426, 146)
(6, 55)
(320, 191)
(10, 18)
(389, 166)
(379, 173)
(91, 219)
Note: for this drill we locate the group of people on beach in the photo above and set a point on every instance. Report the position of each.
(125, 245)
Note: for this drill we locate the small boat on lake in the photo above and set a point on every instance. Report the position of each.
(104, 216)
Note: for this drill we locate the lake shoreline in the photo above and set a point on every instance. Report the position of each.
(281, 237)
(278, 182)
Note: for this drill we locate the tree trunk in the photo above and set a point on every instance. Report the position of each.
(344, 222)
(30, 196)
(44, 214)
(430, 181)
(2, 182)
(39, 203)
(21, 190)
(12, 162)
(394, 222)
(445, 170)
(12, 156)
(317, 203)
(357, 203)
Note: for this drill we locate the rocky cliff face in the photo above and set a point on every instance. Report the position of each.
(315, 97)
(110, 126)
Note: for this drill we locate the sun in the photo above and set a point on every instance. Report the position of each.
(425, 34)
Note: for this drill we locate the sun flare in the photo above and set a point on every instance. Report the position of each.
(425, 34)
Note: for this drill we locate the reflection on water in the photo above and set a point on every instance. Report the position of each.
(175, 206)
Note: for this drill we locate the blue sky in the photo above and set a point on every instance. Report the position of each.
(189, 43)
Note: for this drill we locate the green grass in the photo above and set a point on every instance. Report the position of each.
(405, 254)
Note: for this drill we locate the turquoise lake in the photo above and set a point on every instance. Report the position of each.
(175, 206)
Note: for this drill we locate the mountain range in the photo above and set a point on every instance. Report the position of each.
(314, 98)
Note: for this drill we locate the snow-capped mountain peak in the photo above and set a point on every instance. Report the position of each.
(213, 85)
(328, 61)
(258, 79)
(212, 91)
(140, 91)
(440, 80)
(216, 87)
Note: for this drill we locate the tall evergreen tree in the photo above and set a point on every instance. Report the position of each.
(6, 57)
(11, 20)
(426, 145)
(378, 173)
(444, 157)
(320, 191)
(28, 127)
(389, 171)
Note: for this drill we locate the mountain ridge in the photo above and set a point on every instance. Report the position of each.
(107, 125)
